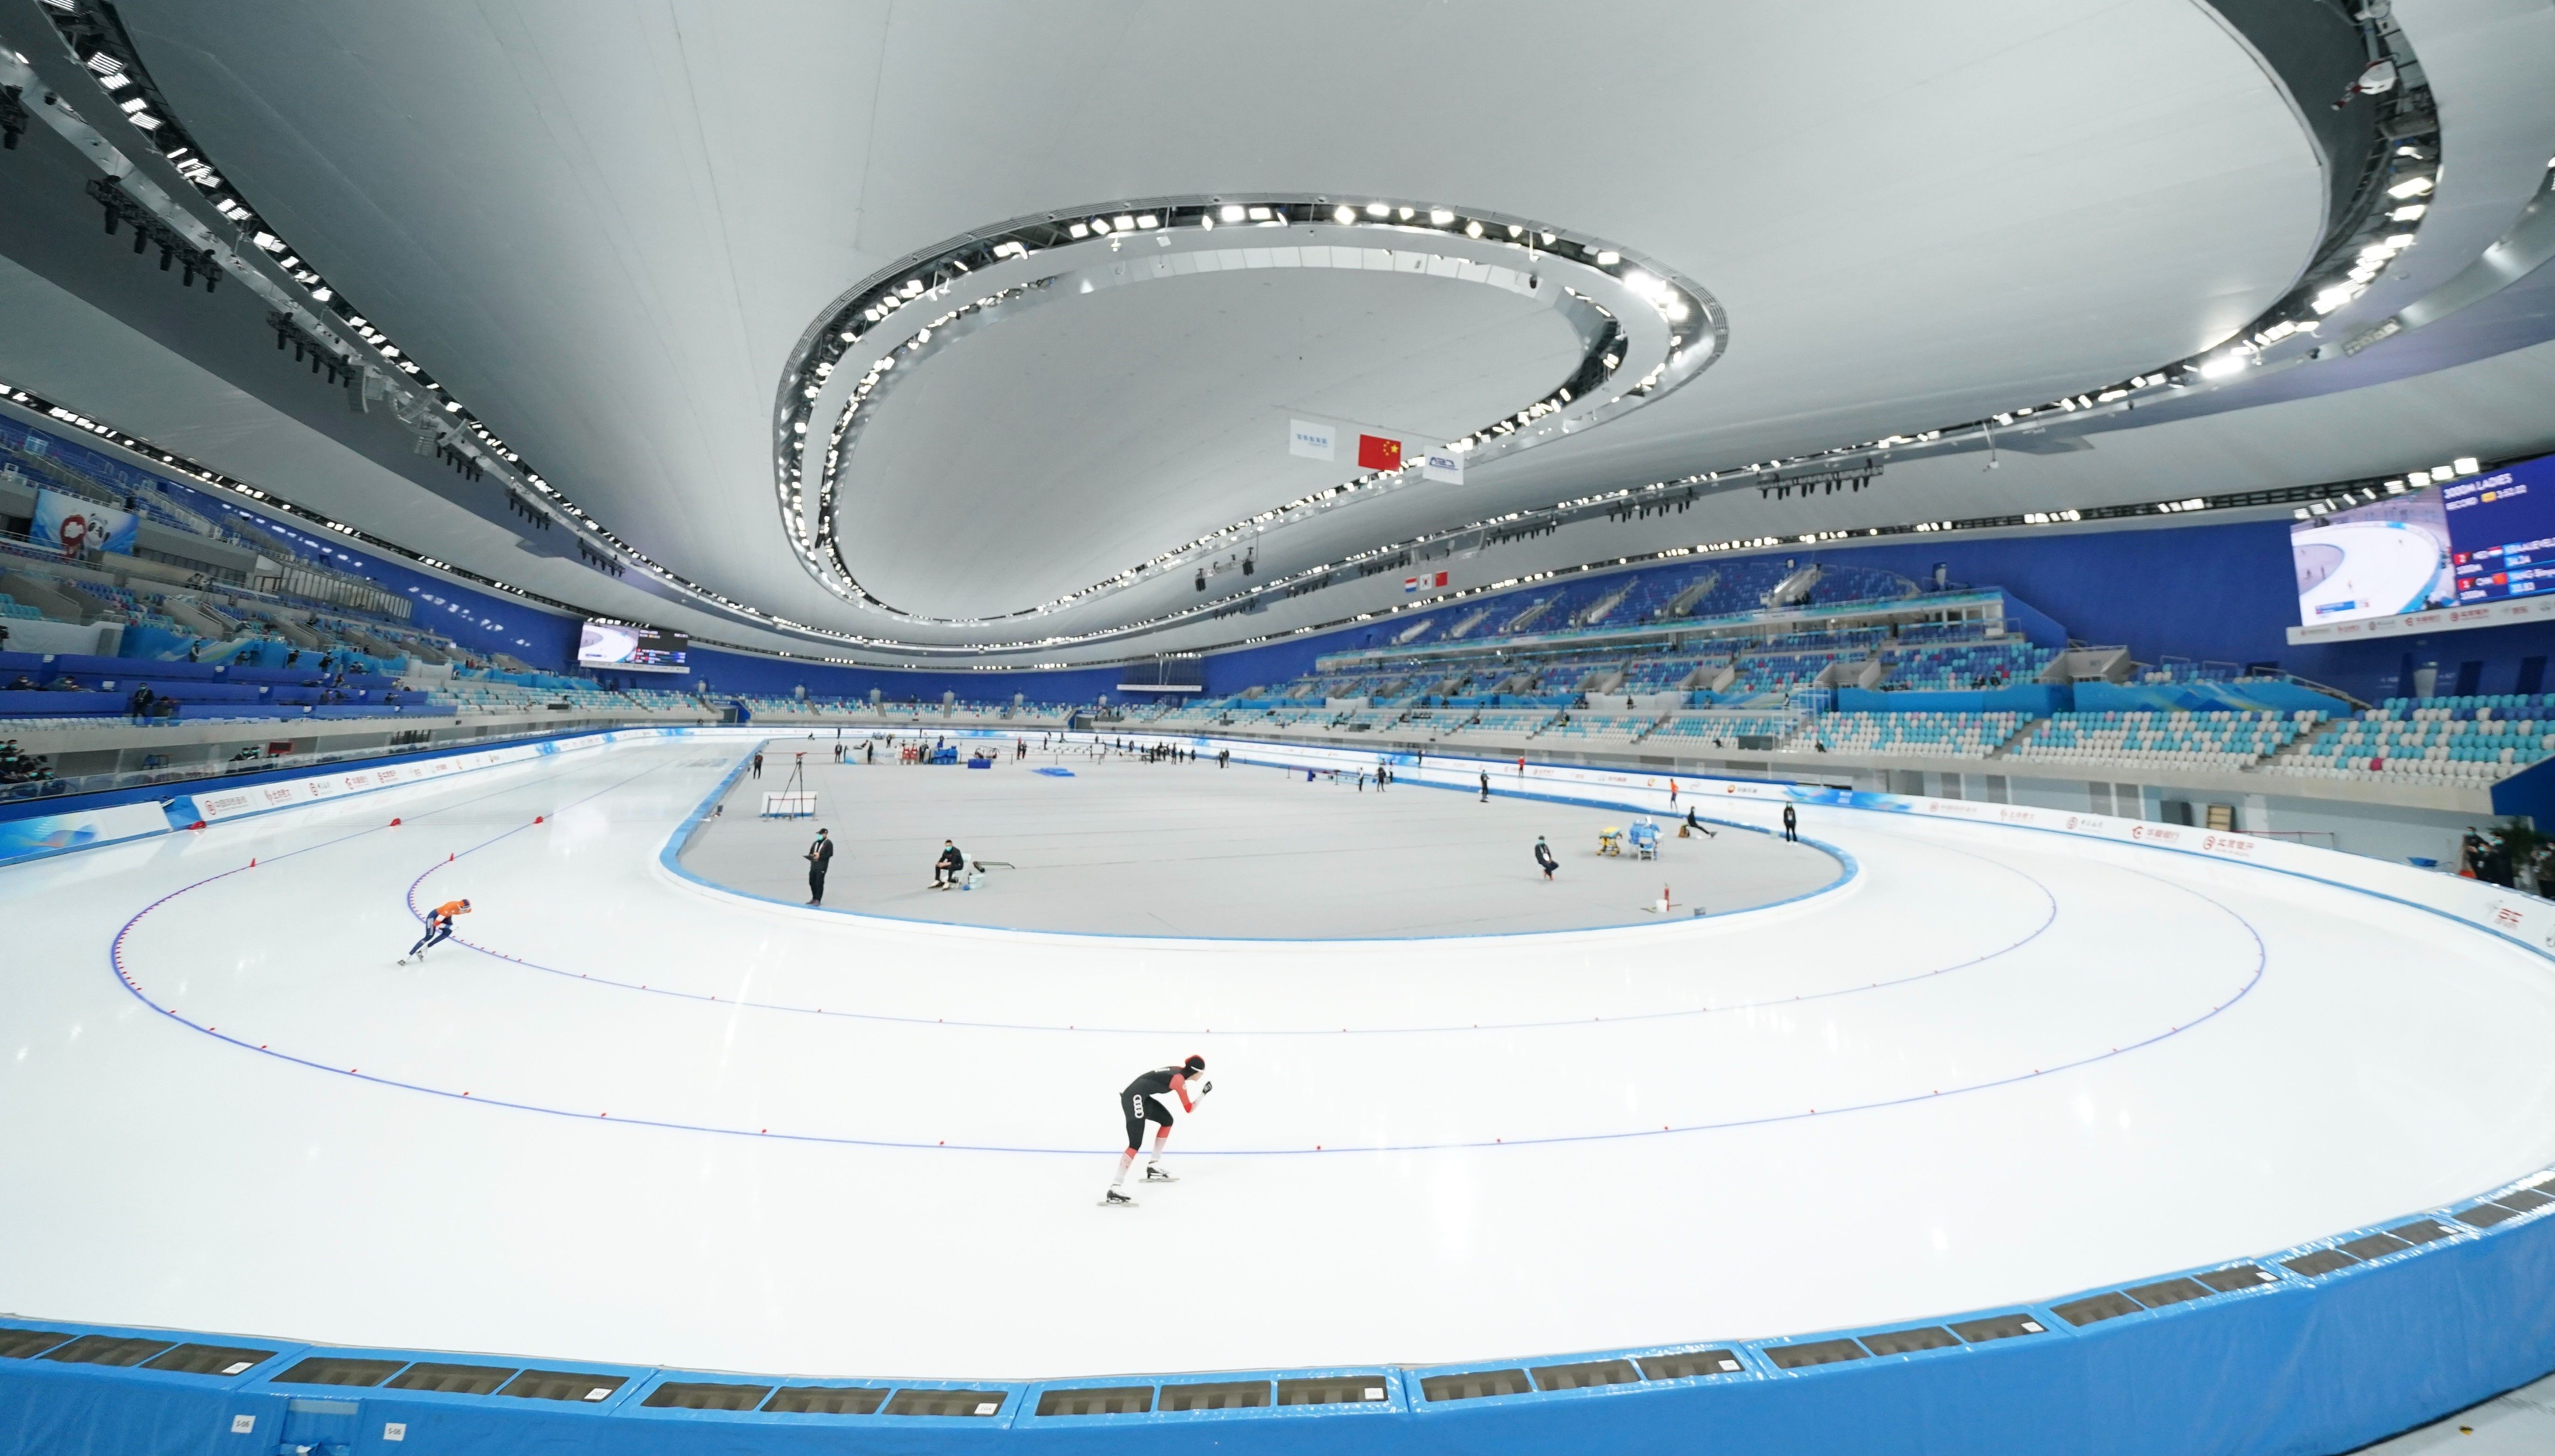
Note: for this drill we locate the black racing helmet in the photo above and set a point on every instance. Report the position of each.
(1194, 1064)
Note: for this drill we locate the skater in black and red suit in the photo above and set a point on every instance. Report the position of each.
(1142, 1103)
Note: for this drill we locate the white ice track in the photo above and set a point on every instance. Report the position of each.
(2037, 1064)
(2388, 566)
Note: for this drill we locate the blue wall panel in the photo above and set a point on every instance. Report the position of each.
(2298, 1367)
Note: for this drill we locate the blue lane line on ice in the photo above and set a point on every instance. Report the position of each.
(700, 811)
(133, 987)
(2252, 978)
(2049, 918)
(1848, 870)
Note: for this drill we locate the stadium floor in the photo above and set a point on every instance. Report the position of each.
(636, 1118)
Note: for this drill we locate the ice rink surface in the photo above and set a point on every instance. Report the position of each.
(1128, 847)
(2385, 566)
(647, 1120)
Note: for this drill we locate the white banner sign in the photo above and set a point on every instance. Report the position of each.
(1444, 465)
(2443, 619)
(1310, 440)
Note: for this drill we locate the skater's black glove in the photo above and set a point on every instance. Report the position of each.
(1205, 1087)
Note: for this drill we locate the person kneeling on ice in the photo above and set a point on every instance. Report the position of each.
(1142, 1103)
(439, 927)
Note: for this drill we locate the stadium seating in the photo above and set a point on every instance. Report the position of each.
(1699, 731)
(2212, 742)
(1967, 665)
(1922, 734)
(2440, 740)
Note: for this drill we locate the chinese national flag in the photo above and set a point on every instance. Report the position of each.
(1374, 452)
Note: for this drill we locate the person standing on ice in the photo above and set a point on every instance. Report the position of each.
(1141, 1102)
(1543, 857)
(439, 927)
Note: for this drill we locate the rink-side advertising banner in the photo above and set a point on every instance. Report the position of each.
(2444, 619)
(50, 834)
(55, 833)
(230, 803)
(74, 526)
(216, 806)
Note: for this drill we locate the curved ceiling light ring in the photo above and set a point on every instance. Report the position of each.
(1643, 331)
(1602, 340)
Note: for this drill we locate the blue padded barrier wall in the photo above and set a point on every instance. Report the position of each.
(2260, 1358)
(177, 795)
(2530, 792)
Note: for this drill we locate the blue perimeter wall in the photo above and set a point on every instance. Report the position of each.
(2212, 592)
(2224, 592)
(2216, 592)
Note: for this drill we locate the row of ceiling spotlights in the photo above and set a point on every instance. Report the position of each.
(2413, 480)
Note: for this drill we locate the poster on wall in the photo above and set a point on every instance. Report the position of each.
(74, 526)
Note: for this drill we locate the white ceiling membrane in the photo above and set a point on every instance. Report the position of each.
(1223, 362)
(607, 230)
(1146, 367)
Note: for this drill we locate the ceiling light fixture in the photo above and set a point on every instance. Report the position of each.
(1670, 358)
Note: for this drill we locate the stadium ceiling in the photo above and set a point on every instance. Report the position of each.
(631, 265)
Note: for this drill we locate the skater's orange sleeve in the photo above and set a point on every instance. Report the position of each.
(1180, 1084)
(451, 908)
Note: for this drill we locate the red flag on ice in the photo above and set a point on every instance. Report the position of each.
(1374, 452)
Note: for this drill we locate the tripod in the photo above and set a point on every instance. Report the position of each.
(782, 805)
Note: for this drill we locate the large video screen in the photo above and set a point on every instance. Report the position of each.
(2375, 560)
(632, 649)
(2482, 537)
(2502, 530)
